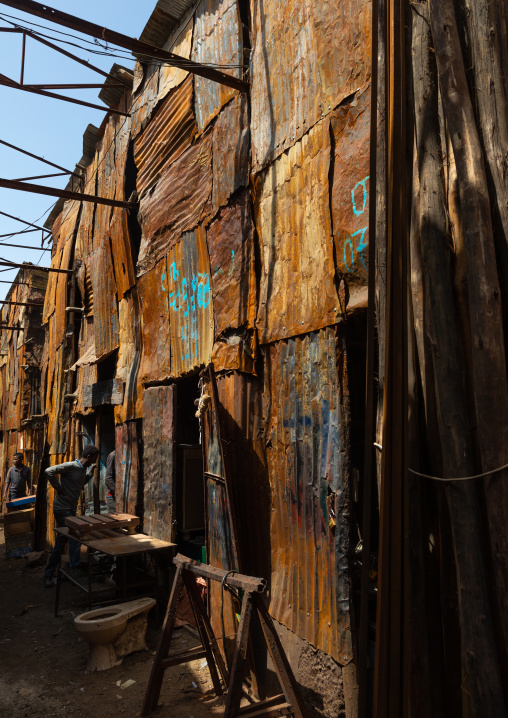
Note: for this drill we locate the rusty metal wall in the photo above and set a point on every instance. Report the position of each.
(306, 434)
(166, 137)
(159, 459)
(179, 201)
(292, 213)
(306, 60)
(217, 40)
(190, 303)
(127, 466)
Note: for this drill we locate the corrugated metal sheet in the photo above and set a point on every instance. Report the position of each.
(235, 352)
(87, 370)
(217, 40)
(167, 136)
(231, 151)
(181, 44)
(127, 466)
(129, 357)
(305, 61)
(105, 301)
(191, 326)
(154, 295)
(292, 214)
(350, 195)
(231, 247)
(111, 95)
(159, 417)
(164, 19)
(177, 203)
(125, 275)
(306, 446)
(145, 96)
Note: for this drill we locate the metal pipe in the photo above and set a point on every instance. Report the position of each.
(66, 194)
(22, 304)
(135, 46)
(36, 157)
(25, 246)
(32, 266)
(7, 82)
(23, 221)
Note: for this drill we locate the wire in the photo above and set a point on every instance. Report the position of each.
(460, 478)
(127, 55)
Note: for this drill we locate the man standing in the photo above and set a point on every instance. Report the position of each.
(73, 477)
(18, 478)
(110, 483)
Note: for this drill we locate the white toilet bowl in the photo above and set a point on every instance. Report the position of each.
(114, 631)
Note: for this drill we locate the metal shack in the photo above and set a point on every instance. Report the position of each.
(22, 428)
(239, 275)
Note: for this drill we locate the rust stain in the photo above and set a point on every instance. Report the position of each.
(154, 295)
(306, 445)
(305, 61)
(217, 40)
(168, 135)
(292, 214)
(177, 202)
(191, 325)
(231, 151)
(231, 246)
(350, 125)
(105, 302)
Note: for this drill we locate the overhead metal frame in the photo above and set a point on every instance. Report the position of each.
(137, 47)
(43, 89)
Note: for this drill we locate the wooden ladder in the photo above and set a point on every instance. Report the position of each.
(289, 702)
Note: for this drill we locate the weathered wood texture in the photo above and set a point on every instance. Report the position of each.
(159, 412)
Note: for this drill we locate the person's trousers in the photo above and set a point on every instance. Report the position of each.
(111, 504)
(74, 546)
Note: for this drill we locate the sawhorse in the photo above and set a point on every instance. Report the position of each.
(289, 702)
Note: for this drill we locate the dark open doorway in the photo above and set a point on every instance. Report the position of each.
(190, 507)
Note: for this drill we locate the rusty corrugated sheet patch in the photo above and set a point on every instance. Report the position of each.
(125, 274)
(217, 40)
(231, 246)
(231, 151)
(87, 367)
(190, 303)
(129, 357)
(180, 44)
(159, 436)
(144, 100)
(166, 137)
(105, 303)
(305, 61)
(177, 203)
(292, 214)
(350, 195)
(153, 292)
(127, 466)
(306, 443)
(235, 352)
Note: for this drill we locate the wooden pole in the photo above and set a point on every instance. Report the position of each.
(97, 473)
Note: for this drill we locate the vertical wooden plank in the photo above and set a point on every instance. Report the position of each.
(159, 419)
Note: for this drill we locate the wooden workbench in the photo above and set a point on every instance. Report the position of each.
(117, 544)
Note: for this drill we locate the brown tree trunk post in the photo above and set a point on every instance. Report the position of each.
(490, 388)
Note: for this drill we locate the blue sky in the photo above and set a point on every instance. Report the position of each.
(46, 127)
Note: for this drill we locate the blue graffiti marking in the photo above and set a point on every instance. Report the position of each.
(349, 243)
(361, 244)
(188, 296)
(363, 184)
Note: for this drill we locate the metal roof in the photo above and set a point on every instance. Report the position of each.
(165, 18)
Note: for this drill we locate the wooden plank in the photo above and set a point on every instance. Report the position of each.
(191, 655)
(119, 544)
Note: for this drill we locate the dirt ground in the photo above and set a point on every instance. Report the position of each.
(43, 662)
